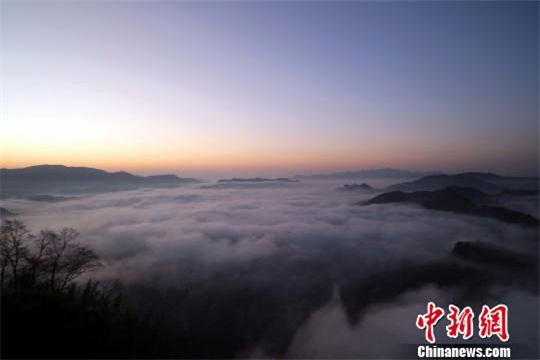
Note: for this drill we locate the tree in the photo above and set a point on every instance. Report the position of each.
(55, 260)
(74, 261)
(42, 302)
(13, 250)
(35, 260)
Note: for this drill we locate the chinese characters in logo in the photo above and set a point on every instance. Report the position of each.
(461, 322)
(492, 321)
(429, 320)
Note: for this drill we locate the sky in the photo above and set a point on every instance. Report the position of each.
(270, 87)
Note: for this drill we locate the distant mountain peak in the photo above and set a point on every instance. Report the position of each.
(487, 182)
(371, 173)
(47, 179)
(356, 187)
(460, 200)
(256, 180)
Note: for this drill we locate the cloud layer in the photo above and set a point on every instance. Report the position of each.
(268, 261)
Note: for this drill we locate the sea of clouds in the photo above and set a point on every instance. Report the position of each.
(262, 265)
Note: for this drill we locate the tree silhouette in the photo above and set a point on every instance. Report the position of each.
(14, 237)
(42, 302)
(51, 259)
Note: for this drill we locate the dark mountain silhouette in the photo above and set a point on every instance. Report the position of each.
(61, 173)
(468, 201)
(486, 182)
(517, 192)
(483, 176)
(374, 173)
(434, 182)
(47, 179)
(356, 187)
(488, 254)
(167, 178)
(69, 173)
(472, 266)
(257, 179)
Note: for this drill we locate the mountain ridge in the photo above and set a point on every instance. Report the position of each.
(61, 179)
(486, 182)
(370, 173)
(63, 172)
(460, 200)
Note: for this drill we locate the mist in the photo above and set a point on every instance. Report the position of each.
(293, 270)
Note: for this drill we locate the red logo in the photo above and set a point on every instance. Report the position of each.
(429, 320)
(492, 321)
(461, 322)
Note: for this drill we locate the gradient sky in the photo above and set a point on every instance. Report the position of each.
(273, 87)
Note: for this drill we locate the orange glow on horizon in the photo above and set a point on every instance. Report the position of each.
(197, 161)
(239, 153)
